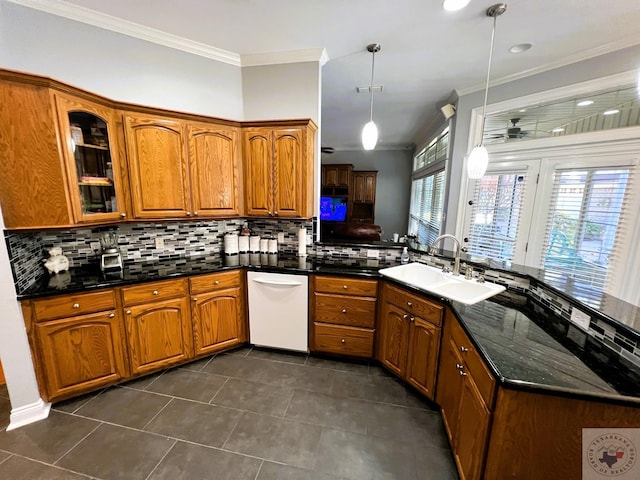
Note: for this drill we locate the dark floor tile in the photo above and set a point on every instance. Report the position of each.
(4, 391)
(378, 371)
(195, 422)
(5, 412)
(239, 366)
(417, 400)
(123, 406)
(254, 397)
(275, 439)
(73, 404)
(141, 383)
(113, 452)
(180, 382)
(341, 365)
(276, 471)
(356, 456)
(434, 463)
(243, 351)
(4, 456)
(326, 410)
(369, 387)
(197, 365)
(19, 468)
(193, 462)
(47, 440)
(278, 355)
(405, 423)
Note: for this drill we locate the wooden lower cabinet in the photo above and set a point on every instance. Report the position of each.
(159, 334)
(217, 312)
(465, 410)
(408, 344)
(342, 315)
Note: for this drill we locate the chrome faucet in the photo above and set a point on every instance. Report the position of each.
(456, 265)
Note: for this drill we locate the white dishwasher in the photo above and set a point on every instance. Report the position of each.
(278, 310)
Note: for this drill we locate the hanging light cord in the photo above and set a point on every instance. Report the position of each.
(486, 90)
(373, 64)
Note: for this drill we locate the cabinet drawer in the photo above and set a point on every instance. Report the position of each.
(473, 362)
(346, 286)
(215, 281)
(345, 310)
(425, 309)
(357, 342)
(150, 292)
(73, 305)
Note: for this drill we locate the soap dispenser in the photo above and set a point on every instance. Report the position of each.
(404, 258)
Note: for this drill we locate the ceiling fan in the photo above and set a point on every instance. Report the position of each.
(513, 132)
(327, 150)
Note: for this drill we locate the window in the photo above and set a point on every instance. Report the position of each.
(427, 190)
(582, 225)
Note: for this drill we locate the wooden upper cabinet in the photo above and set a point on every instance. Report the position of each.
(158, 170)
(364, 187)
(279, 170)
(216, 176)
(88, 137)
(33, 190)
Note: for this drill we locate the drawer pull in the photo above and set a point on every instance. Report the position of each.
(155, 292)
(405, 316)
(462, 374)
(217, 282)
(343, 341)
(409, 304)
(412, 319)
(344, 310)
(76, 305)
(459, 367)
(345, 287)
(464, 349)
(128, 312)
(111, 315)
(195, 299)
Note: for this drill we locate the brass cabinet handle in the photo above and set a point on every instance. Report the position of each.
(275, 213)
(76, 305)
(155, 292)
(188, 214)
(111, 315)
(128, 312)
(343, 341)
(345, 287)
(217, 282)
(123, 215)
(409, 304)
(464, 349)
(405, 315)
(462, 374)
(344, 310)
(459, 367)
(195, 299)
(412, 319)
(195, 213)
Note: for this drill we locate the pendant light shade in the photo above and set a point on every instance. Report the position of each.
(370, 130)
(479, 157)
(369, 135)
(477, 162)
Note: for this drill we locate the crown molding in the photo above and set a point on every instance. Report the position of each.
(88, 16)
(627, 42)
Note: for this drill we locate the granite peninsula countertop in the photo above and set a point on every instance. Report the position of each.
(523, 342)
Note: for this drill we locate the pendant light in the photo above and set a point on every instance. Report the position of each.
(370, 130)
(479, 157)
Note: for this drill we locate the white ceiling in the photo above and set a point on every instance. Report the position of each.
(427, 53)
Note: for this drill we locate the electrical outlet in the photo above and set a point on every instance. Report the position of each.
(159, 242)
(280, 237)
(373, 253)
(580, 319)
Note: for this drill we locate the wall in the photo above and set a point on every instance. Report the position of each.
(597, 67)
(119, 67)
(393, 189)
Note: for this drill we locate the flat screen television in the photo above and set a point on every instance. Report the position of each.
(333, 209)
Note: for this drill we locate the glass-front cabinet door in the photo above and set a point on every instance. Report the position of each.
(90, 149)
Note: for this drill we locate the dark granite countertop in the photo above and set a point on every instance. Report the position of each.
(524, 343)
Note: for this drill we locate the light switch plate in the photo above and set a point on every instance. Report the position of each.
(581, 319)
(159, 242)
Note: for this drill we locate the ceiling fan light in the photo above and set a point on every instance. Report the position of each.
(369, 135)
(477, 162)
(454, 5)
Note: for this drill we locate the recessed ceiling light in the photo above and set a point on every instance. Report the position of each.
(520, 48)
(454, 5)
(522, 110)
(585, 103)
(558, 130)
(613, 111)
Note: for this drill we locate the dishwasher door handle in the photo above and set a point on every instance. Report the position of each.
(279, 284)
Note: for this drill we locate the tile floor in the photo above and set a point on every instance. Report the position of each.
(250, 414)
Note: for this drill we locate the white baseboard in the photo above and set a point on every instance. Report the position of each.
(27, 414)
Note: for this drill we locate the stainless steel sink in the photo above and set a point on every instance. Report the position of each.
(432, 280)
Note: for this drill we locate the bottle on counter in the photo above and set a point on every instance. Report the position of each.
(404, 258)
